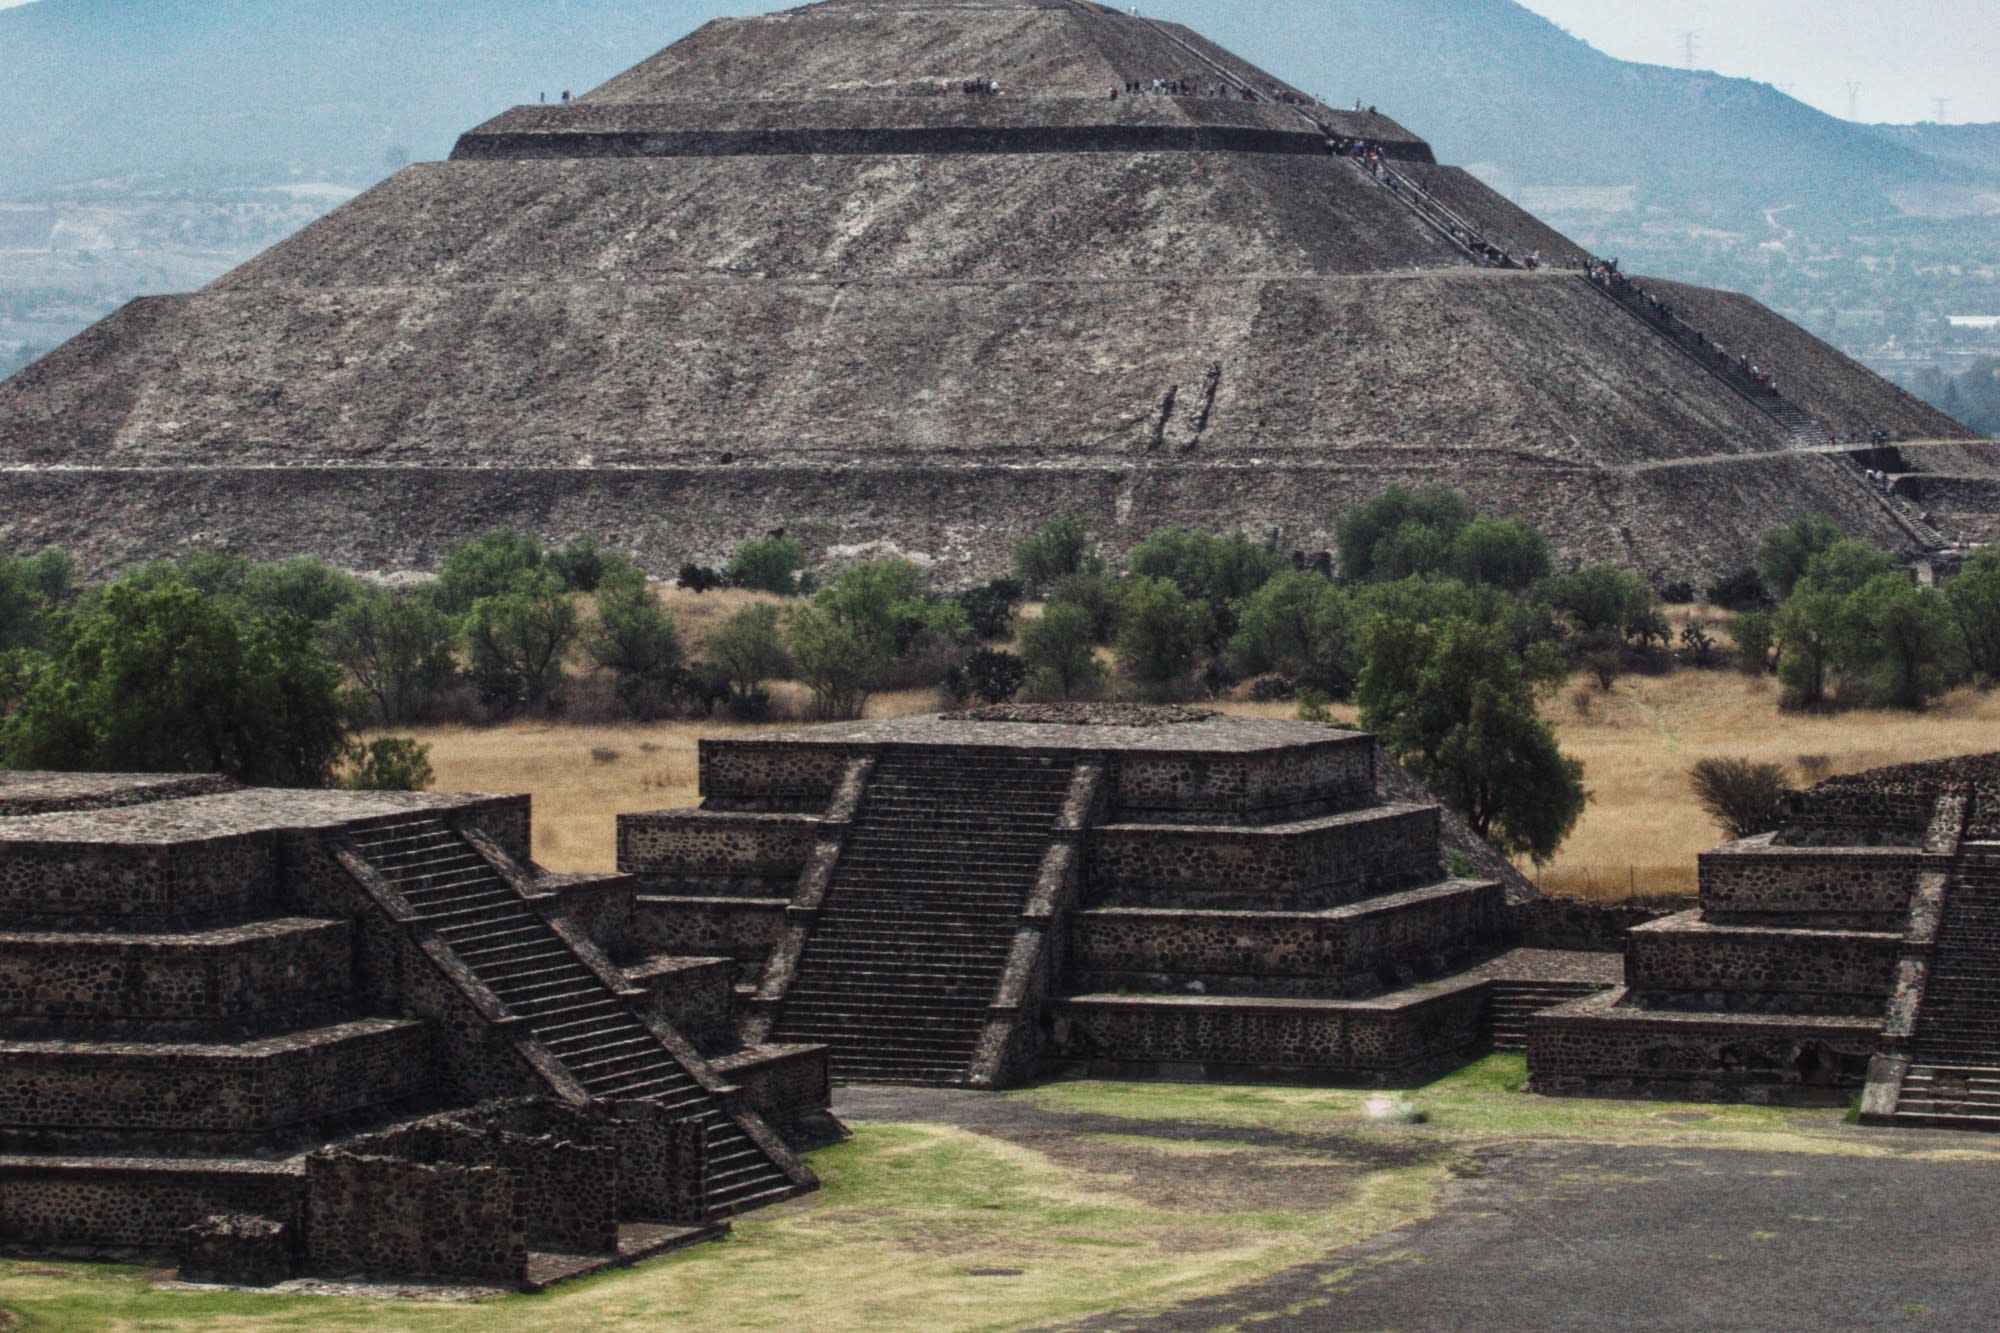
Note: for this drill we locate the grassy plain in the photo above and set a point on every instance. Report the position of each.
(1087, 1197)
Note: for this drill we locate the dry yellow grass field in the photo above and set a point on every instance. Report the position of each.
(1641, 833)
(583, 776)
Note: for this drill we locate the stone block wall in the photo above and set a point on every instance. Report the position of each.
(1255, 787)
(1354, 951)
(228, 982)
(1290, 867)
(237, 1249)
(1760, 882)
(769, 776)
(743, 929)
(208, 1097)
(787, 1085)
(597, 907)
(1581, 925)
(1273, 1037)
(134, 1203)
(694, 996)
(709, 853)
(73, 886)
(388, 1217)
(1592, 1047)
(1684, 963)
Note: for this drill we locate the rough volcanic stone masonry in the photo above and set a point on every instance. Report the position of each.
(285, 1033)
(1854, 951)
(978, 896)
(791, 271)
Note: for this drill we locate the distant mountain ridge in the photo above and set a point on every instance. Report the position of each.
(109, 87)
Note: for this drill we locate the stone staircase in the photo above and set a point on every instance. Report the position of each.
(1954, 1075)
(1511, 1003)
(572, 1011)
(1907, 515)
(920, 915)
(1627, 295)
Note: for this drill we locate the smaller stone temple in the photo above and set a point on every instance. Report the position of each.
(277, 1033)
(973, 898)
(1854, 952)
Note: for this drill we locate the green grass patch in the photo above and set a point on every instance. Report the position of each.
(917, 1226)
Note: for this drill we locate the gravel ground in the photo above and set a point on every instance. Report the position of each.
(1558, 1237)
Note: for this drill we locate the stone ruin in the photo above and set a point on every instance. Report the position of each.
(791, 272)
(279, 1033)
(977, 898)
(1854, 953)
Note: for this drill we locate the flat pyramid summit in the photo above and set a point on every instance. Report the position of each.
(910, 273)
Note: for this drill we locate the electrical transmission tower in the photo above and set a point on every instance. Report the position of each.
(1689, 41)
(1943, 105)
(1853, 99)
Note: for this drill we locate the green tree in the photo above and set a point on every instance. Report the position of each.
(748, 649)
(1754, 633)
(1974, 599)
(583, 565)
(1455, 703)
(1096, 595)
(1060, 649)
(1159, 633)
(1785, 552)
(23, 608)
(487, 566)
(1399, 533)
(768, 564)
(518, 638)
(1059, 548)
(1300, 626)
(1499, 551)
(389, 763)
(839, 660)
(1603, 600)
(1205, 567)
(396, 645)
(1809, 631)
(635, 640)
(1905, 636)
(162, 678)
(302, 586)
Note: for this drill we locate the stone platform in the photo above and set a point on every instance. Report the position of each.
(975, 897)
(1847, 956)
(225, 1012)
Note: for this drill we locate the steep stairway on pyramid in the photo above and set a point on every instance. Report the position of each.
(1806, 431)
(1954, 1075)
(574, 1011)
(921, 914)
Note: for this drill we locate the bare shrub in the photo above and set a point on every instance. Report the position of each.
(604, 754)
(1744, 798)
(1581, 701)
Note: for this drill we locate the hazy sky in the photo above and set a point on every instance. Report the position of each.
(1904, 53)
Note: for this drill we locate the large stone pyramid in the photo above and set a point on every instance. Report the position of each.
(793, 272)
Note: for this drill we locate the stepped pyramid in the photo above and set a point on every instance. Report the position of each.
(277, 1032)
(975, 898)
(1852, 951)
(794, 270)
